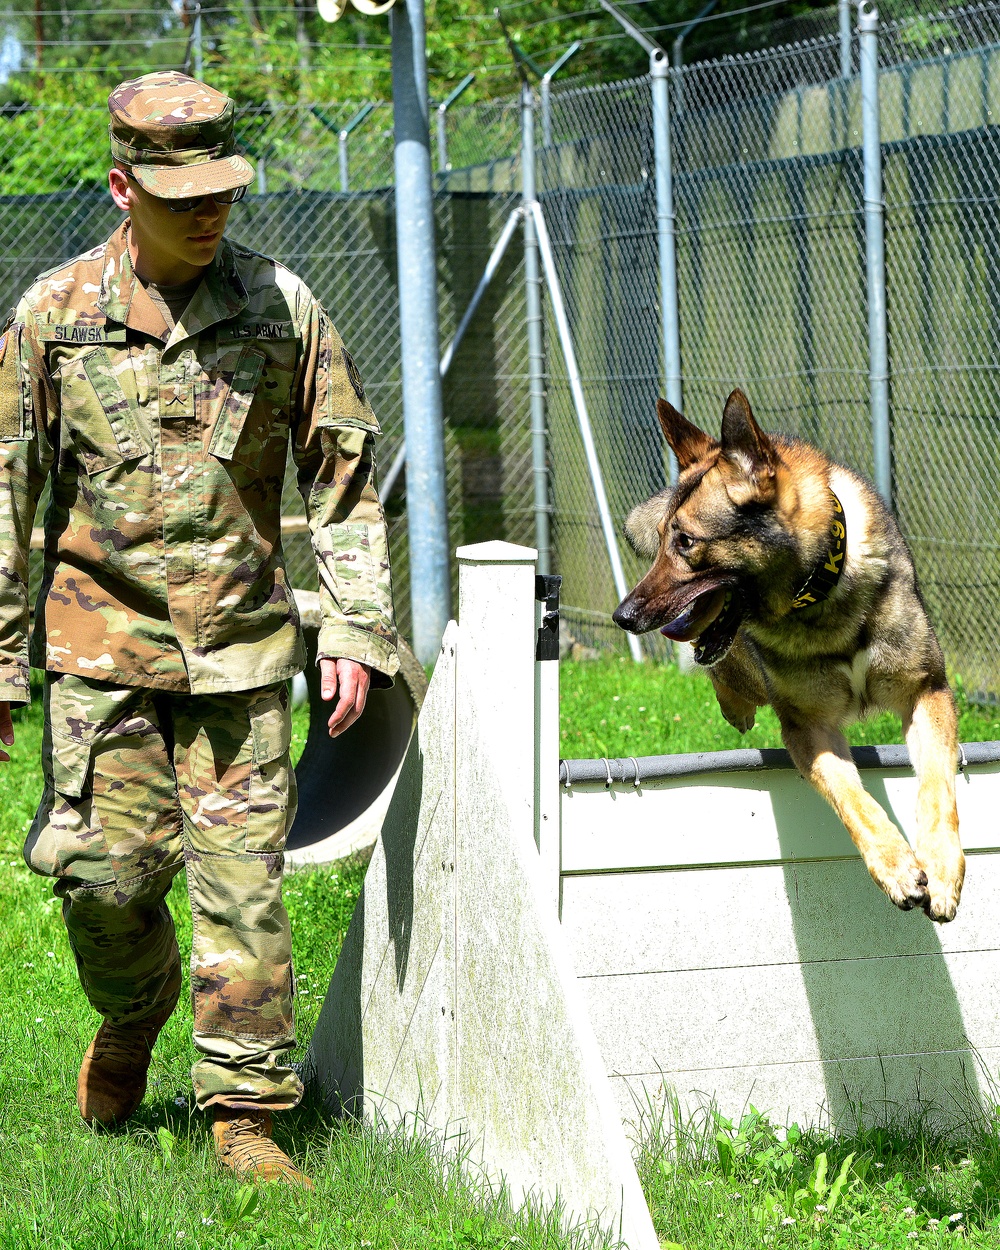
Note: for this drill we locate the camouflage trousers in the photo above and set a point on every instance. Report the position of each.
(138, 784)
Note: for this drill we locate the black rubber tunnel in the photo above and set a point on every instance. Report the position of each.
(341, 780)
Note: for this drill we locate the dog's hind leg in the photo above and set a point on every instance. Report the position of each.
(823, 757)
(932, 737)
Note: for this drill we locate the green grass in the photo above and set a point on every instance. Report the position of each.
(713, 1184)
(614, 708)
(156, 1184)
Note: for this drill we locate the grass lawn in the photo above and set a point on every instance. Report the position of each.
(614, 708)
(156, 1184)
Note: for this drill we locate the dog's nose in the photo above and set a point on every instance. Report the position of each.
(624, 616)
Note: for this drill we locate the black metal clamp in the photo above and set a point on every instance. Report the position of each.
(547, 592)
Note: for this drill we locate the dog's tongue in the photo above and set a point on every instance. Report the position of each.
(696, 616)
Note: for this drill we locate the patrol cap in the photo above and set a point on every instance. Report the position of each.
(176, 136)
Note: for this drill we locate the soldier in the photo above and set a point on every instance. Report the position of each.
(156, 382)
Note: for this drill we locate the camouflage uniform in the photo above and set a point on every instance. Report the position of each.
(166, 623)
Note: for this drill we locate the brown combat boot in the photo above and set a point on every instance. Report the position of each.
(243, 1143)
(112, 1078)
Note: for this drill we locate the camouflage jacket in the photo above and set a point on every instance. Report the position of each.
(166, 455)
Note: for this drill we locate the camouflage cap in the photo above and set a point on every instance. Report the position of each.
(176, 135)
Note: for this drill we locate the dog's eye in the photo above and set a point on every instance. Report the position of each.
(684, 542)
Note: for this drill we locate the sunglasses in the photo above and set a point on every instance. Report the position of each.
(188, 205)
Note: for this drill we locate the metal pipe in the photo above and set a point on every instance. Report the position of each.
(659, 70)
(844, 13)
(488, 274)
(389, 482)
(536, 345)
(198, 66)
(878, 347)
(423, 424)
(580, 403)
(442, 128)
(678, 46)
(342, 136)
(546, 90)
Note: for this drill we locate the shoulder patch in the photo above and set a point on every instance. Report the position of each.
(353, 376)
(11, 397)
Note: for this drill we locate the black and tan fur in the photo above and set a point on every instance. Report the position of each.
(734, 541)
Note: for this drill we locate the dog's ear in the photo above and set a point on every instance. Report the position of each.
(641, 523)
(744, 443)
(688, 443)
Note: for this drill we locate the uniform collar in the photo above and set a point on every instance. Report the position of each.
(221, 295)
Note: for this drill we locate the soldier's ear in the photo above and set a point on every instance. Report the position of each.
(687, 442)
(642, 522)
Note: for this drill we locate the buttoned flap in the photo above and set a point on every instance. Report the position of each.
(272, 731)
(99, 426)
(234, 404)
(345, 438)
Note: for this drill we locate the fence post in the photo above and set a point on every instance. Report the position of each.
(878, 349)
(536, 347)
(342, 137)
(546, 90)
(844, 13)
(442, 125)
(423, 423)
(659, 70)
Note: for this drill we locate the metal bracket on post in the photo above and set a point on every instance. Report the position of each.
(878, 344)
(442, 127)
(547, 592)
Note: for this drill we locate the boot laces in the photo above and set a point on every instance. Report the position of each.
(122, 1047)
(249, 1145)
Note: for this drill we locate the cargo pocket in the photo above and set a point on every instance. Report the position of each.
(98, 429)
(66, 838)
(272, 802)
(354, 567)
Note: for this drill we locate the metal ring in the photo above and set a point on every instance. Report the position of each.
(963, 763)
(636, 763)
(610, 781)
(565, 764)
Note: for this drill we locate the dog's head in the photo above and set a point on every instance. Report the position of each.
(714, 536)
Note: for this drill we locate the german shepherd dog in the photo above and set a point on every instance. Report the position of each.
(793, 582)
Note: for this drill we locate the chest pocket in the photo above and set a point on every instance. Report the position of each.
(99, 428)
(238, 435)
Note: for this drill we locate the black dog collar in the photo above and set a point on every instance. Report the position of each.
(821, 581)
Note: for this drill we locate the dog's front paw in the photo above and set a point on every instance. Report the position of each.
(896, 871)
(945, 871)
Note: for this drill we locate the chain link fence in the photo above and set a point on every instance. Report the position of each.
(768, 191)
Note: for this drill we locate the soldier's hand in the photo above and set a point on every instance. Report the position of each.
(347, 681)
(6, 731)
